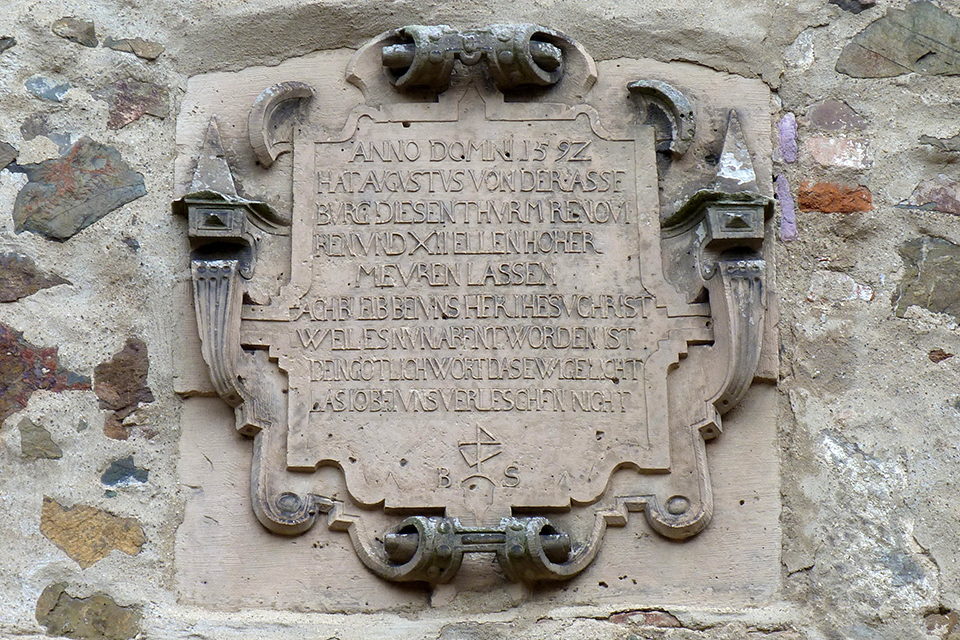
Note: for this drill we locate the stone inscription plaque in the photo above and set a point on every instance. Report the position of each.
(468, 312)
(476, 325)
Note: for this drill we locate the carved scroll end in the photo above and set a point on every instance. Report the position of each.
(282, 512)
(680, 517)
(270, 124)
(669, 110)
(287, 513)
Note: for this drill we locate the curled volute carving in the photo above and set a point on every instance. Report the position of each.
(669, 111)
(270, 125)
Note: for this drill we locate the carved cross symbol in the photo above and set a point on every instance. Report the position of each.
(476, 450)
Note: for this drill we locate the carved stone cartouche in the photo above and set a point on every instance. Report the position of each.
(659, 360)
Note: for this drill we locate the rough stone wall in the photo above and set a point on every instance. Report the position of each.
(868, 250)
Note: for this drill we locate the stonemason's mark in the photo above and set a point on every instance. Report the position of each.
(937, 194)
(76, 30)
(97, 617)
(36, 442)
(137, 46)
(931, 277)
(70, 193)
(121, 385)
(88, 534)
(25, 368)
(130, 99)
(20, 277)
(919, 38)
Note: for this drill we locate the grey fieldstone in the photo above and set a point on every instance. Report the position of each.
(99, 181)
(47, 88)
(854, 6)
(98, 617)
(36, 442)
(20, 277)
(931, 276)
(130, 99)
(937, 194)
(124, 472)
(8, 153)
(920, 38)
(833, 115)
(943, 144)
(139, 47)
(76, 30)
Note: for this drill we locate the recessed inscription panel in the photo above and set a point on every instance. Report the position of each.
(474, 311)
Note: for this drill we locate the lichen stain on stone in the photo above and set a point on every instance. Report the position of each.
(36, 442)
(130, 99)
(20, 277)
(98, 617)
(919, 38)
(121, 385)
(931, 277)
(70, 193)
(25, 368)
(88, 534)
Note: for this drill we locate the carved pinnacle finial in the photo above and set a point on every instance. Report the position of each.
(213, 172)
(735, 172)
